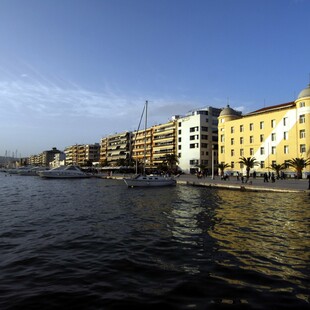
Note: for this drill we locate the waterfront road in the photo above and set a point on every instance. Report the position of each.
(253, 184)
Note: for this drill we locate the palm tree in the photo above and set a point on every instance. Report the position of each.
(171, 161)
(298, 164)
(249, 163)
(222, 167)
(277, 168)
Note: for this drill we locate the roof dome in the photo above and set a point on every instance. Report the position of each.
(305, 92)
(228, 111)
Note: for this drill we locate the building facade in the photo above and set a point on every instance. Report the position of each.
(164, 142)
(272, 134)
(118, 149)
(197, 139)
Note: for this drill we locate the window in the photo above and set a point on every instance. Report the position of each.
(241, 128)
(241, 140)
(241, 152)
(180, 131)
(193, 129)
(251, 151)
(285, 149)
(273, 163)
(302, 148)
(192, 137)
(261, 137)
(262, 150)
(232, 129)
(180, 139)
(222, 138)
(301, 104)
(251, 139)
(273, 123)
(261, 125)
(179, 155)
(302, 134)
(204, 145)
(222, 150)
(251, 126)
(203, 128)
(232, 164)
(273, 150)
(194, 162)
(204, 137)
(285, 135)
(302, 119)
(232, 141)
(180, 124)
(179, 147)
(192, 145)
(284, 121)
(232, 152)
(273, 137)
(262, 164)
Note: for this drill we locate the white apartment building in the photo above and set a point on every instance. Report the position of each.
(197, 140)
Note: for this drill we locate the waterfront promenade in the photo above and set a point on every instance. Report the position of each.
(257, 184)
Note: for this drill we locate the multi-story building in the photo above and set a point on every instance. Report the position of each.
(164, 141)
(118, 148)
(141, 147)
(103, 151)
(92, 152)
(272, 134)
(72, 154)
(197, 139)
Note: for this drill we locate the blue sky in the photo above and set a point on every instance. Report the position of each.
(73, 71)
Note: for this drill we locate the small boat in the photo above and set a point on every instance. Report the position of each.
(64, 172)
(31, 171)
(148, 180)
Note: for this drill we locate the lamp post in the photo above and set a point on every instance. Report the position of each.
(212, 159)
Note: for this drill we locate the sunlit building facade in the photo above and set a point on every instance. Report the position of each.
(272, 135)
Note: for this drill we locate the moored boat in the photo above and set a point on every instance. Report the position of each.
(64, 172)
(149, 181)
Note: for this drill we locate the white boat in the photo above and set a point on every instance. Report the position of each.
(30, 171)
(148, 180)
(64, 172)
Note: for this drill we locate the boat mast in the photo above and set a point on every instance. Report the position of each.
(145, 126)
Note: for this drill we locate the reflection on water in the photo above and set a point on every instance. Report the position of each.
(63, 241)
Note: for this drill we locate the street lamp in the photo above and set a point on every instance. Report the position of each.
(212, 159)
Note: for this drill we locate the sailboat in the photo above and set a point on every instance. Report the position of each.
(143, 180)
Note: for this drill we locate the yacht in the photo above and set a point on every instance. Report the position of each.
(149, 181)
(64, 172)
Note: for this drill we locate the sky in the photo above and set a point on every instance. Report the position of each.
(74, 71)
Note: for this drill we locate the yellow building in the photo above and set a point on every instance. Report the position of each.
(142, 146)
(272, 135)
(164, 141)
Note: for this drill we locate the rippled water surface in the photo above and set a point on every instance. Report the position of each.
(94, 244)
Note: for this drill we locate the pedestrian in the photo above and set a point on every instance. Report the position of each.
(237, 176)
(266, 177)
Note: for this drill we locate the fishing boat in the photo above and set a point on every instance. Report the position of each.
(143, 180)
(64, 172)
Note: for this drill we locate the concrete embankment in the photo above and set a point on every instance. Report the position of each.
(256, 185)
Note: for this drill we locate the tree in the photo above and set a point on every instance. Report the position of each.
(298, 164)
(171, 161)
(249, 163)
(277, 168)
(222, 167)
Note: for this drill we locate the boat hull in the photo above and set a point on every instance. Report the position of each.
(149, 182)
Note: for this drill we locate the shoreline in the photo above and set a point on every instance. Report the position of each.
(254, 185)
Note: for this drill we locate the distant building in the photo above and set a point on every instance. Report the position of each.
(272, 134)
